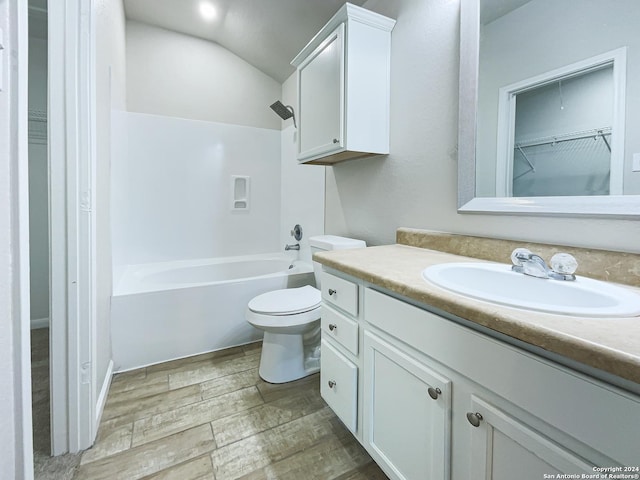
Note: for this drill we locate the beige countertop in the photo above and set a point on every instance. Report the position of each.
(608, 344)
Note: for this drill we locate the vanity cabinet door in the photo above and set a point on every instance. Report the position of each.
(407, 411)
(504, 448)
(339, 385)
(321, 84)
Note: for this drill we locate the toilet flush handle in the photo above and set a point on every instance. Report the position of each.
(332, 291)
(332, 326)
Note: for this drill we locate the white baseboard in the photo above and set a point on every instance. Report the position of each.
(39, 323)
(104, 391)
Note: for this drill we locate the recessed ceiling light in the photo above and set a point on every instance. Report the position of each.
(207, 11)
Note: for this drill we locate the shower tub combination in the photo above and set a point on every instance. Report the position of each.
(171, 310)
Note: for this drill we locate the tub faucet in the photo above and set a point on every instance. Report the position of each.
(562, 267)
(292, 247)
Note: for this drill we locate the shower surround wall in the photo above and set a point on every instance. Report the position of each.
(198, 115)
(301, 195)
(171, 189)
(198, 119)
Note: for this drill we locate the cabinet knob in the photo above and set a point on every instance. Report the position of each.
(332, 326)
(331, 291)
(335, 140)
(434, 392)
(474, 418)
(331, 384)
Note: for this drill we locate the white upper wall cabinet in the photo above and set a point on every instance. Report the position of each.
(343, 88)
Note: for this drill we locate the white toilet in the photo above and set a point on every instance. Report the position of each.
(290, 319)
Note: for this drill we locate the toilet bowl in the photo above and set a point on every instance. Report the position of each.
(291, 322)
(290, 319)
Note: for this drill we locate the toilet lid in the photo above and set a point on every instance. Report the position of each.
(286, 302)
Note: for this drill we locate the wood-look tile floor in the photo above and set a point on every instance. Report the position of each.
(212, 417)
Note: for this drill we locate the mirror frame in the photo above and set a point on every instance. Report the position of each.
(612, 206)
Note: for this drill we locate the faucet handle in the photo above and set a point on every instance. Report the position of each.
(564, 263)
(519, 255)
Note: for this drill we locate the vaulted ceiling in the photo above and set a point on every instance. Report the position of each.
(493, 9)
(265, 33)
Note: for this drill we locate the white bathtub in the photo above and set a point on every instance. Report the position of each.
(164, 311)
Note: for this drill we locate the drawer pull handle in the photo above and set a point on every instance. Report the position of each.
(335, 140)
(474, 418)
(332, 384)
(434, 392)
(332, 326)
(332, 291)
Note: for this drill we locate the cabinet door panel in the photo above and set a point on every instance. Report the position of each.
(339, 385)
(321, 92)
(503, 448)
(405, 429)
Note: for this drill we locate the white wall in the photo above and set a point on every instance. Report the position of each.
(416, 185)
(301, 196)
(110, 94)
(172, 189)
(290, 97)
(38, 188)
(302, 185)
(177, 75)
(550, 44)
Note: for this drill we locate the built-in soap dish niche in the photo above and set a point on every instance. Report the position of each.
(240, 193)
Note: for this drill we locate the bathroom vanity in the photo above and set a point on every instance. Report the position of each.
(438, 386)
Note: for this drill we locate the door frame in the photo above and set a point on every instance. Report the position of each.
(17, 86)
(72, 158)
(507, 116)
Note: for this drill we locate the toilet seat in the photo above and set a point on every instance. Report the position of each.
(285, 311)
(295, 323)
(290, 301)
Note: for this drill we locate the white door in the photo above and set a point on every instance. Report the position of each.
(504, 448)
(407, 412)
(321, 90)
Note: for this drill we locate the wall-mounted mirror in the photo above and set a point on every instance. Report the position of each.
(549, 109)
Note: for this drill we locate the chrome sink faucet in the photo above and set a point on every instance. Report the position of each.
(562, 266)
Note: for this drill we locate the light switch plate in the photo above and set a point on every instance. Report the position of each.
(636, 163)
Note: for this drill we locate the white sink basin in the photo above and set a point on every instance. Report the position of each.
(496, 283)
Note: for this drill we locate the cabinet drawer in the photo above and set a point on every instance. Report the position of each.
(342, 329)
(339, 385)
(339, 292)
(384, 312)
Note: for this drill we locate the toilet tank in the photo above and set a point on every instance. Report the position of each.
(323, 243)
